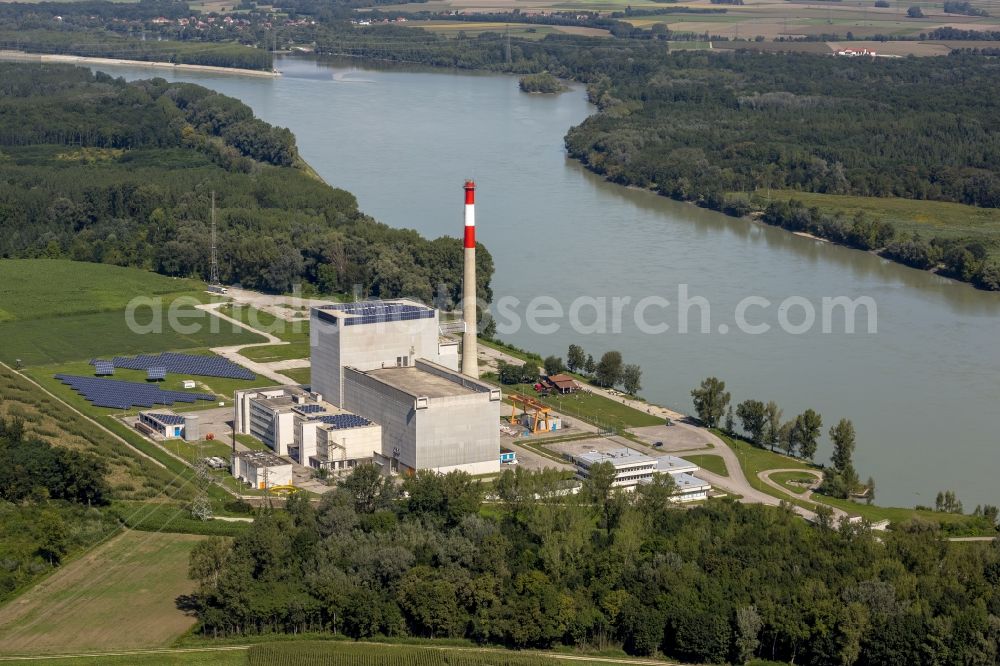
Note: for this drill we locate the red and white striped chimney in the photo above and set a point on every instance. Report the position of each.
(470, 346)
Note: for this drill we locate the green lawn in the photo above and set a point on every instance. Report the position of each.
(754, 460)
(710, 462)
(928, 218)
(299, 375)
(289, 331)
(789, 480)
(592, 408)
(251, 442)
(269, 353)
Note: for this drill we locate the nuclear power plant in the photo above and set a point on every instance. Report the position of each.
(386, 388)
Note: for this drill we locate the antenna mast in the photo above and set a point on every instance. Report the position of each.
(214, 271)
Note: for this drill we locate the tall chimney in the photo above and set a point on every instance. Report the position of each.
(470, 347)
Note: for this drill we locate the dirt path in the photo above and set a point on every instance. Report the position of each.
(233, 352)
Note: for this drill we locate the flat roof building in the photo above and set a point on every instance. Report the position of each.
(261, 470)
(169, 425)
(633, 468)
(296, 423)
(432, 417)
(370, 335)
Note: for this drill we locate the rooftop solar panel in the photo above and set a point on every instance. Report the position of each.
(374, 312)
(339, 421)
(167, 419)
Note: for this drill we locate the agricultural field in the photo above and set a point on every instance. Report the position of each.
(42, 288)
(516, 30)
(757, 18)
(928, 218)
(120, 595)
(201, 657)
(47, 316)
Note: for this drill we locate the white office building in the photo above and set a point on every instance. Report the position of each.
(633, 468)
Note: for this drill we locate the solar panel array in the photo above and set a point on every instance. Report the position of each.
(374, 312)
(116, 394)
(185, 364)
(309, 409)
(339, 421)
(103, 368)
(156, 373)
(167, 419)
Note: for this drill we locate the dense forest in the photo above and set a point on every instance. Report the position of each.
(536, 568)
(97, 169)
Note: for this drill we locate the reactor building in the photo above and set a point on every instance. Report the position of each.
(386, 387)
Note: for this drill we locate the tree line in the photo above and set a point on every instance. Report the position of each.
(762, 425)
(602, 569)
(98, 169)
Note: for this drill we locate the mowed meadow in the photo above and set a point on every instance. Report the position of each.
(121, 595)
(53, 311)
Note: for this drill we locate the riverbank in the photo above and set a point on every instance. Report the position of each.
(45, 58)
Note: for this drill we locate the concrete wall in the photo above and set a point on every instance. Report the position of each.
(248, 472)
(452, 432)
(390, 408)
(459, 430)
(343, 445)
(369, 347)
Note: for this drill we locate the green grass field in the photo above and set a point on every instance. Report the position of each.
(289, 331)
(754, 460)
(269, 353)
(300, 375)
(792, 481)
(33, 288)
(928, 218)
(710, 462)
(118, 596)
(83, 313)
(207, 657)
(592, 408)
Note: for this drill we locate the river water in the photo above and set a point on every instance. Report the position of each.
(923, 391)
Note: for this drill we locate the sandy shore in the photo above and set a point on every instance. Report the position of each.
(20, 56)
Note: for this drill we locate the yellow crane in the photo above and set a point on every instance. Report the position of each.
(539, 412)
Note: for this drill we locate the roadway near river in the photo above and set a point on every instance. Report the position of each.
(921, 390)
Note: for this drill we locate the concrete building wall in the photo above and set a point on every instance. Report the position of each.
(390, 408)
(348, 445)
(459, 431)
(442, 433)
(368, 347)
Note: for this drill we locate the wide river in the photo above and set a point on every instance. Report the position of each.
(923, 391)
